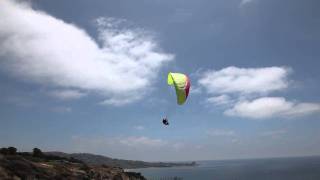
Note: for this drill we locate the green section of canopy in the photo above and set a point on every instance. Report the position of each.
(179, 81)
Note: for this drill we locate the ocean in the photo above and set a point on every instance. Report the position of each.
(301, 168)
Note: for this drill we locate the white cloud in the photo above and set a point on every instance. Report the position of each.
(244, 89)
(268, 107)
(139, 127)
(67, 94)
(220, 132)
(42, 49)
(245, 80)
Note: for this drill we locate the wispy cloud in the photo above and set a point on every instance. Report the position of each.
(66, 94)
(220, 100)
(129, 141)
(138, 147)
(40, 48)
(244, 2)
(268, 107)
(19, 101)
(120, 100)
(195, 89)
(133, 141)
(274, 133)
(220, 132)
(178, 146)
(61, 109)
(180, 16)
(139, 127)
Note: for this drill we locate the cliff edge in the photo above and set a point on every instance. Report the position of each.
(26, 166)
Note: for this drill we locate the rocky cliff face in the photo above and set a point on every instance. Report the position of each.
(26, 167)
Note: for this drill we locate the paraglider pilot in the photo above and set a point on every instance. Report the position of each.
(165, 121)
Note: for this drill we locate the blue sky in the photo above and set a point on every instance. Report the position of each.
(91, 77)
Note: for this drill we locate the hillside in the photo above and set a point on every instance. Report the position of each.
(38, 166)
(128, 164)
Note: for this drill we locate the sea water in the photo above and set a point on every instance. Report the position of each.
(302, 168)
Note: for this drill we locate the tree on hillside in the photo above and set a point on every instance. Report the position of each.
(12, 150)
(37, 152)
(8, 151)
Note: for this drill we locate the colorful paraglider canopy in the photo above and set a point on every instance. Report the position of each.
(181, 83)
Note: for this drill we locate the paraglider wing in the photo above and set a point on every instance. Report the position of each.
(181, 83)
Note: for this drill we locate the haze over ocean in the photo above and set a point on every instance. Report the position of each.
(302, 168)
